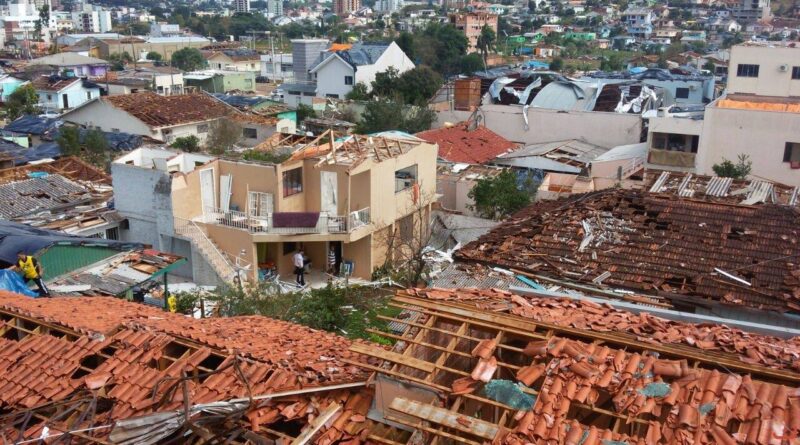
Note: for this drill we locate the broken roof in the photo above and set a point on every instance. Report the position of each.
(166, 111)
(511, 380)
(353, 150)
(722, 190)
(461, 144)
(67, 59)
(569, 156)
(39, 194)
(131, 359)
(32, 124)
(758, 103)
(656, 244)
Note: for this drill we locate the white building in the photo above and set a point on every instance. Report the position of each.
(277, 67)
(19, 21)
(337, 72)
(388, 6)
(242, 6)
(274, 8)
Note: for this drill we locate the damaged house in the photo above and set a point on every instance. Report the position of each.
(728, 251)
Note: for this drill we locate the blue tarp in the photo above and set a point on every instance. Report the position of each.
(30, 124)
(24, 155)
(15, 237)
(12, 282)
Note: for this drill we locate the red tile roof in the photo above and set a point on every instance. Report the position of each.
(165, 111)
(458, 144)
(773, 352)
(132, 355)
(656, 245)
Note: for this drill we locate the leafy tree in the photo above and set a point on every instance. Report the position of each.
(188, 59)
(273, 157)
(359, 92)
(304, 111)
(187, 143)
(96, 148)
(557, 64)
(406, 42)
(418, 85)
(386, 82)
(499, 196)
(42, 23)
(486, 41)
(471, 63)
(611, 63)
(23, 100)
(119, 60)
(382, 115)
(69, 141)
(223, 135)
(154, 56)
(441, 47)
(740, 170)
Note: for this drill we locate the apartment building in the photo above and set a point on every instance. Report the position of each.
(471, 25)
(351, 196)
(343, 8)
(758, 117)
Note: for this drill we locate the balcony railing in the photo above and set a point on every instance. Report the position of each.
(264, 223)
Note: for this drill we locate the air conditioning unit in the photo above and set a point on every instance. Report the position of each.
(784, 68)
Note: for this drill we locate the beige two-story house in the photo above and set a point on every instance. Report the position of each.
(350, 195)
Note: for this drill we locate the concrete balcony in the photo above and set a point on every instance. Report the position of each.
(265, 224)
(671, 158)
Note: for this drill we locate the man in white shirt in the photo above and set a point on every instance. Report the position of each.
(299, 267)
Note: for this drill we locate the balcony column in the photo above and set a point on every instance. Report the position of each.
(347, 204)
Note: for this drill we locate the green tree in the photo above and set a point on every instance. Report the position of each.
(418, 85)
(223, 135)
(304, 111)
(95, 148)
(359, 92)
(188, 59)
(441, 47)
(23, 100)
(69, 141)
(471, 63)
(187, 143)
(611, 63)
(486, 41)
(119, 60)
(499, 196)
(557, 64)
(386, 82)
(406, 42)
(43, 22)
(382, 115)
(154, 56)
(740, 170)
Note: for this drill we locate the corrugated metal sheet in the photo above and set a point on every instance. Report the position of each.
(60, 259)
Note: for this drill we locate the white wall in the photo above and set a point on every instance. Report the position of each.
(762, 135)
(599, 128)
(330, 78)
(771, 80)
(77, 95)
(99, 114)
(392, 57)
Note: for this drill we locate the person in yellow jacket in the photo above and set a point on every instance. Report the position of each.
(30, 269)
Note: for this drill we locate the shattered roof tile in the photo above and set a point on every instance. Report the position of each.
(163, 111)
(460, 144)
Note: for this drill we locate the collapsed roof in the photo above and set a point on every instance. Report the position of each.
(658, 245)
(166, 111)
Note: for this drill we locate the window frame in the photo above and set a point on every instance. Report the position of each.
(350, 78)
(796, 73)
(790, 147)
(408, 184)
(292, 182)
(747, 70)
(680, 90)
(249, 133)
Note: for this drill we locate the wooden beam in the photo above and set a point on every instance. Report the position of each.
(392, 357)
(317, 424)
(441, 416)
(430, 430)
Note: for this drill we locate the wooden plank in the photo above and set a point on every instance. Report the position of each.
(398, 375)
(427, 429)
(445, 417)
(317, 424)
(392, 357)
(383, 440)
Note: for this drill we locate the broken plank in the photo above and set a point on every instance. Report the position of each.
(445, 417)
(317, 424)
(392, 357)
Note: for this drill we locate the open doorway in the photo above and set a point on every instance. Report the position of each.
(336, 247)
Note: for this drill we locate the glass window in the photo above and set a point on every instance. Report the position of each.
(681, 93)
(348, 80)
(791, 153)
(249, 133)
(796, 72)
(292, 182)
(747, 70)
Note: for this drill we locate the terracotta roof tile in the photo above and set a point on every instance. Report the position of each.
(461, 145)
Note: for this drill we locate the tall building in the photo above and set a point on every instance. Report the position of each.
(304, 53)
(345, 7)
(388, 6)
(241, 6)
(471, 25)
(275, 8)
(751, 10)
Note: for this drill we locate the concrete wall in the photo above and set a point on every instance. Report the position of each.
(143, 196)
(393, 57)
(599, 128)
(101, 115)
(771, 80)
(76, 94)
(762, 135)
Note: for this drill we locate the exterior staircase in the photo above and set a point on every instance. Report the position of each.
(224, 266)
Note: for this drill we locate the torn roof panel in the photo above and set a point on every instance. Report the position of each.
(655, 245)
(459, 143)
(164, 111)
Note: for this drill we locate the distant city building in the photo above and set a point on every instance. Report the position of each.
(241, 6)
(388, 6)
(345, 7)
(274, 8)
(163, 29)
(471, 25)
(751, 10)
